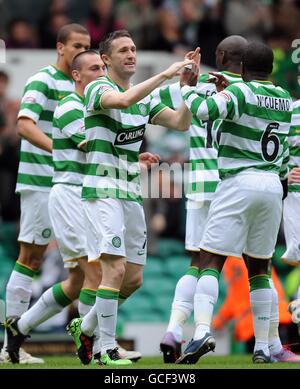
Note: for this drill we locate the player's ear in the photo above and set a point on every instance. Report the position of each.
(224, 57)
(60, 48)
(75, 75)
(105, 58)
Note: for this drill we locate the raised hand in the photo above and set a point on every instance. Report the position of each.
(189, 76)
(194, 55)
(174, 69)
(219, 80)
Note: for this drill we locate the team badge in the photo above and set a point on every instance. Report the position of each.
(46, 233)
(116, 241)
(142, 109)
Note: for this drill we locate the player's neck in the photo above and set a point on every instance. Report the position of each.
(249, 76)
(63, 67)
(234, 69)
(79, 89)
(120, 81)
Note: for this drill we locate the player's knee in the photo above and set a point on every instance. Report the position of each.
(117, 271)
(93, 276)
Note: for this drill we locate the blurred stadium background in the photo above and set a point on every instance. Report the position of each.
(163, 31)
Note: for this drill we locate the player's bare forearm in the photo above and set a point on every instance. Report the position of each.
(177, 120)
(28, 130)
(112, 99)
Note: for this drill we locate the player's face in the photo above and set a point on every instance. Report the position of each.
(122, 58)
(75, 45)
(92, 67)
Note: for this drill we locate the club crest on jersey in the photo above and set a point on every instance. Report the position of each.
(125, 137)
(143, 109)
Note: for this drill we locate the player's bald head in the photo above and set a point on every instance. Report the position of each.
(230, 51)
(233, 43)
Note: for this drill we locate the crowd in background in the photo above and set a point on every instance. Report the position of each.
(168, 25)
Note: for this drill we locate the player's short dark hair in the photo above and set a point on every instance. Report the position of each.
(258, 58)
(64, 32)
(77, 60)
(105, 44)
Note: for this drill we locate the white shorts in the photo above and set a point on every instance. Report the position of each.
(244, 216)
(116, 227)
(35, 225)
(196, 217)
(67, 217)
(291, 225)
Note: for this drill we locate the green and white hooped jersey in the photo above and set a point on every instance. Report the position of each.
(41, 95)
(114, 138)
(203, 176)
(68, 133)
(294, 143)
(256, 124)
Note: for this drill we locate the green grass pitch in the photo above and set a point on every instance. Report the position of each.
(209, 362)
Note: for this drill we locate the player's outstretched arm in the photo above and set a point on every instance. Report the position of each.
(113, 99)
(176, 120)
(182, 117)
(30, 131)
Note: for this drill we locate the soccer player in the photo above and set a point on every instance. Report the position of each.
(41, 95)
(228, 58)
(203, 180)
(245, 212)
(291, 206)
(116, 115)
(65, 209)
(292, 202)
